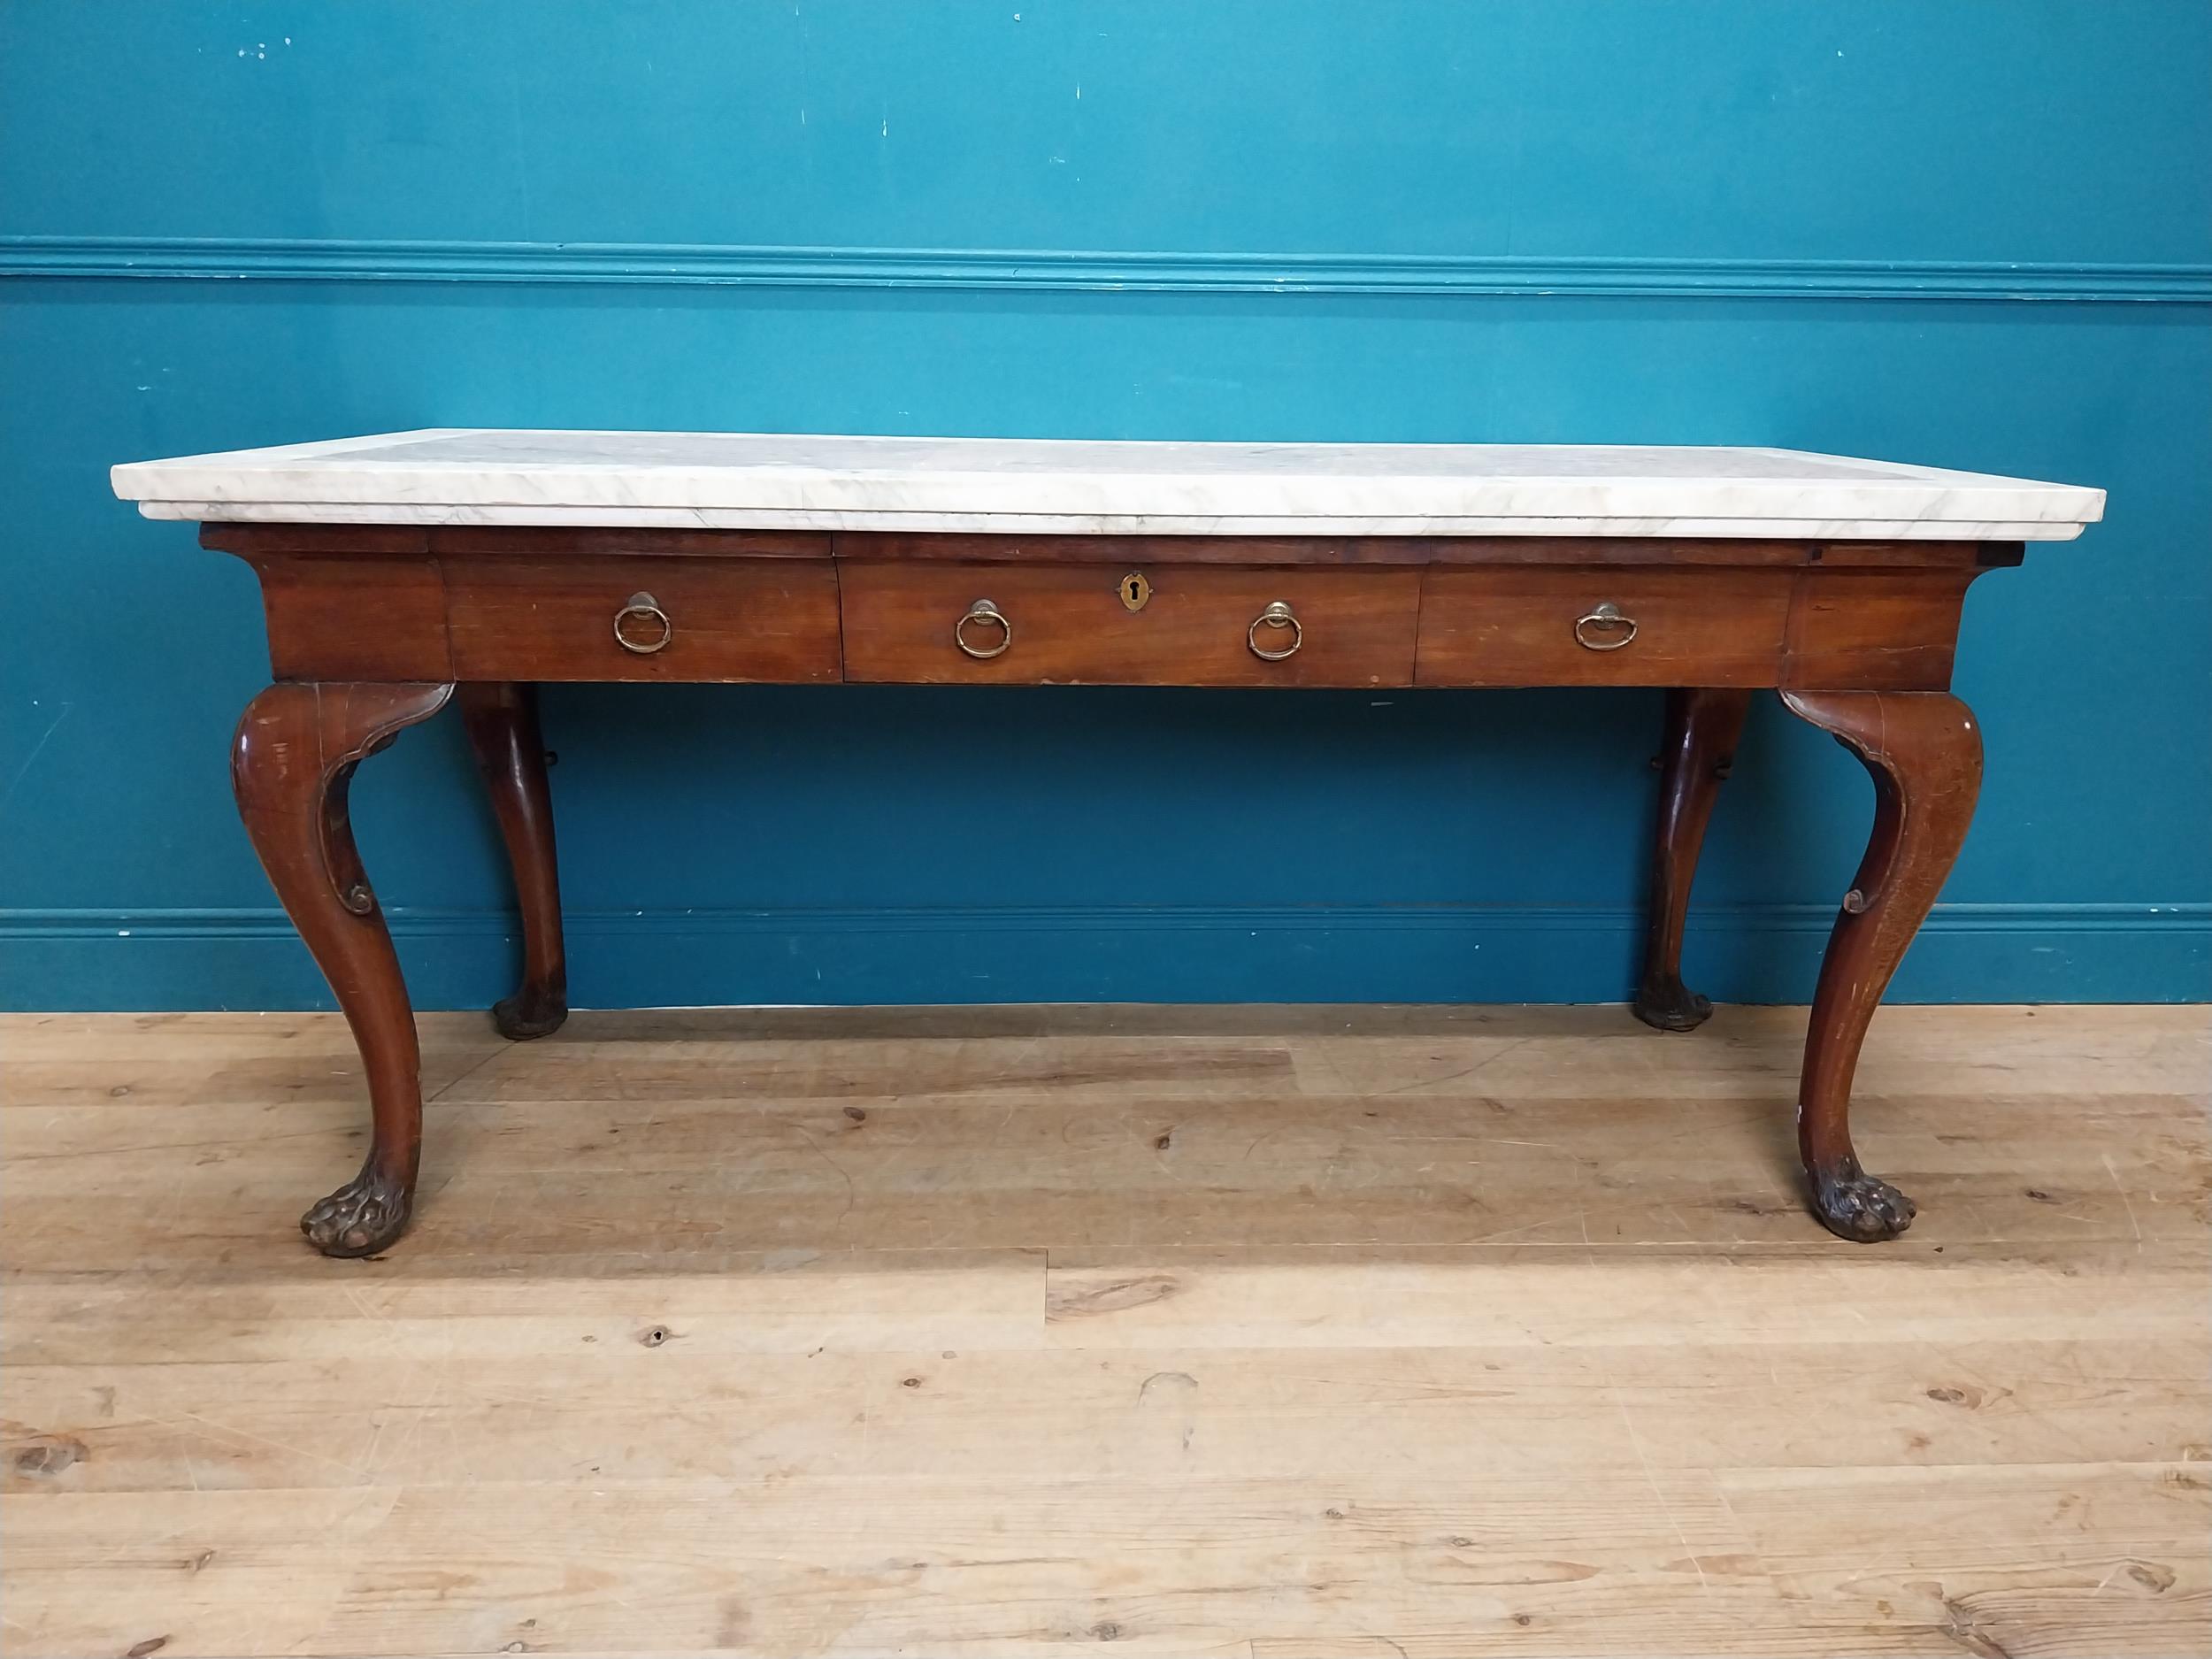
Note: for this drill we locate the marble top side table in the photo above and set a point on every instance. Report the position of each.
(406, 570)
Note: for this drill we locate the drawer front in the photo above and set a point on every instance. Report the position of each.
(1611, 626)
(1071, 624)
(519, 617)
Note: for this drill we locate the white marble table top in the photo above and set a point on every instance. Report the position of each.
(777, 482)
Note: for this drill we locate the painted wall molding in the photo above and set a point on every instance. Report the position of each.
(679, 265)
(91, 959)
(420, 922)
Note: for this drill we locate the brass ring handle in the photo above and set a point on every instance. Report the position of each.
(642, 605)
(1276, 615)
(984, 610)
(1606, 616)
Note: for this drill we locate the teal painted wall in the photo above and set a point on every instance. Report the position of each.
(1959, 234)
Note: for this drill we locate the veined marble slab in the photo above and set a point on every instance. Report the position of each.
(778, 481)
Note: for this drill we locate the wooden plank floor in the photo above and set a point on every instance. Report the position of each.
(1275, 1333)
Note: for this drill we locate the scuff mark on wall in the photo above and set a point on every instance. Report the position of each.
(37, 749)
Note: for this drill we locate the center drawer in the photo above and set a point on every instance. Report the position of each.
(1164, 625)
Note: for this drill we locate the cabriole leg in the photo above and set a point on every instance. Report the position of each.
(291, 765)
(503, 727)
(1925, 751)
(1702, 728)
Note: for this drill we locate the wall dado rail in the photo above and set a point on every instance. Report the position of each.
(406, 571)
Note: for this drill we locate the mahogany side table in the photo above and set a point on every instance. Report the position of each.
(404, 571)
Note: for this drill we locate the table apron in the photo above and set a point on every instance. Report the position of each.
(388, 612)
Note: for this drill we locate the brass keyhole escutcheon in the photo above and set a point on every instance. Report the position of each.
(1135, 591)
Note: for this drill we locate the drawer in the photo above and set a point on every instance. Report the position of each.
(1070, 625)
(1507, 626)
(519, 617)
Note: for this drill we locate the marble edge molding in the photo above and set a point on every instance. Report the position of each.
(1058, 270)
(491, 514)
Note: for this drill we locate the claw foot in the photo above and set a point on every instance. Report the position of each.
(360, 1219)
(535, 1011)
(1668, 1004)
(1854, 1205)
